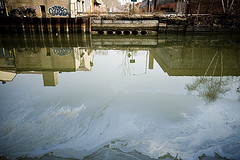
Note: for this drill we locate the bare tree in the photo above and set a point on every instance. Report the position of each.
(227, 5)
(210, 88)
(125, 66)
(188, 7)
(199, 6)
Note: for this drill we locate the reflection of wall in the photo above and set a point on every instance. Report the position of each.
(44, 60)
(121, 41)
(179, 61)
(54, 59)
(85, 60)
(151, 61)
(6, 58)
(50, 78)
(7, 76)
(48, 61)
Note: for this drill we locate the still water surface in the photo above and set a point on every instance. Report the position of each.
(119, 97)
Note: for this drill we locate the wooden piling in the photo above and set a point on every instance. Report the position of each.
(29, 25)
(49, 25)
(67, 28)
(62, 25)
(79, 21)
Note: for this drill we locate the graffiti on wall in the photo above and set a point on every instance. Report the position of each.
(58, 11)
(63, 51)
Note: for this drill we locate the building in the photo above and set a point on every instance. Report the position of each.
(177, 6)
(81, 6)
(44, 8)
(214, 7)
(123, 2)
(194, 7)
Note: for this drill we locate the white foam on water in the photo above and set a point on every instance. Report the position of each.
(148, 115)
(31, 131)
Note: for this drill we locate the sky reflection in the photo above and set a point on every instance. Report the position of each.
(105, 101)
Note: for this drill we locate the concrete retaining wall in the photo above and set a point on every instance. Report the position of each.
(163, 25)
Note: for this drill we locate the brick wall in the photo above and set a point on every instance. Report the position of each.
(36, 4)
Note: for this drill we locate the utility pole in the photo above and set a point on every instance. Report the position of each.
(148, 6)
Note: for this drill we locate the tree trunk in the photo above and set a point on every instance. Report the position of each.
(224, 10)
(188, 8)
(199, 6)
(227, 9)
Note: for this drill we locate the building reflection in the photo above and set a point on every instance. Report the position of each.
(214, 63)
(45, 61)
(176, 55)
(181, 55)
(180, 61)
(215, 68)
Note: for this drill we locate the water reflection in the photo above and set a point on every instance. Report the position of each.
(45, 61)
(133, 102)
(177, 57)
(211, 87)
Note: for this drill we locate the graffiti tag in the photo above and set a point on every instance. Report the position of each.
(63, 51)
(58, 11)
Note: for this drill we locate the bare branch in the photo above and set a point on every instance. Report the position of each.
(231, 5)
(224, 10)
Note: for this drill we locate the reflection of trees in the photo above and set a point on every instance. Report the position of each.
(211, 87)
(125, 65)
(227, 5)
(129, 66)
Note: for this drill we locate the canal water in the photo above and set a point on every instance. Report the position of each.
(120, 97)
